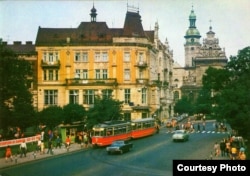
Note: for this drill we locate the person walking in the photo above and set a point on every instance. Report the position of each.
(23, 148)
(67, 143)
(50, 147)
(223, 147)
(58, 142)
(8, 154)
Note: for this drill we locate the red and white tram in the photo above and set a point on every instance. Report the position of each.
(104, 134)
(143, 127)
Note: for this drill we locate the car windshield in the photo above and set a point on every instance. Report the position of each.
(117, 143)
(179, 132)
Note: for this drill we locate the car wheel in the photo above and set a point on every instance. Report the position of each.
(109, 152)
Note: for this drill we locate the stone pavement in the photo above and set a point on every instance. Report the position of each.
(31, 156)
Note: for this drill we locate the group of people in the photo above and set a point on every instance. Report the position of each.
(230, 148)
(23, 151)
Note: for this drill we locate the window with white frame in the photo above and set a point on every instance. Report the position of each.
(127, 96)
(107, 93)
(50, 75)
(50, 97)
(126, 57)
(143, 95)
(85, 73)
(105, 74)
(77, 57)
(127, 74)
(78, 73)
(85, 57)
(73, 96)
(141, 59)
(98, 74)
(89, 97)
(51, 56)
(97, 57)
(104, 56)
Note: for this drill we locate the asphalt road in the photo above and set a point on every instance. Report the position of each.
(151, 156)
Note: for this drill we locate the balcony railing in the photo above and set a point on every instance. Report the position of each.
(50, 64)
(76, 81)
(141, 81)
(141, 64)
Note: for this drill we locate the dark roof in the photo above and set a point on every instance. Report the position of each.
(91, 33)
(22, 49)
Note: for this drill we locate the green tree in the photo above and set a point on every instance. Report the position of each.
(183, 106)
(15, 99)
(51, 116)
(234, 100)
(73, 112)
(105, 109)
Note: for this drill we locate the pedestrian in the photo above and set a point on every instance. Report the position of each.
(58, 142)
(85, 140)
(216, 149)
(242, 155)
(38, 149)
(8, 154)
(23, 148)
(223, 148)
(67, 143)
(42, 148)
(198, 127)
(228, 147)
(50, 147)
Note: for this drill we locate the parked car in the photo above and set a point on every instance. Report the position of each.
(180, 135)
(120, 146)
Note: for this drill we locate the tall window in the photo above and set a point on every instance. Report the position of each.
(85, 57)
(97, 74)
(105, 74)
(85, 74)
(140, 74)
(88, 97)
(127, 96)
(77, 57)
(126, 74)
(78, 73)
(144, 96)
(107, 93)
(97, 57)
(104, 56)
(50, 75)
(141, 57)
(50, 97)
(126, 57)
(73, 96)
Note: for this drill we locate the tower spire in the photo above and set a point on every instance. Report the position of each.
(93, 13)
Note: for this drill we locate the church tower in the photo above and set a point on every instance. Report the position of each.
(192, 44)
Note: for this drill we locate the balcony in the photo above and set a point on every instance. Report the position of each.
(142, 81)
(48, 64)
(93, 82)
(141, 64)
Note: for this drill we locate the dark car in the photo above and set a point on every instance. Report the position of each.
(119, 146)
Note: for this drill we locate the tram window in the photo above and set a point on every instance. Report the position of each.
(109, 132)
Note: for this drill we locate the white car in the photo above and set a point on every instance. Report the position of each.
(180, 135)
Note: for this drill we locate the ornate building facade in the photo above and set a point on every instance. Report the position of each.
(130, 64)
(198, 57)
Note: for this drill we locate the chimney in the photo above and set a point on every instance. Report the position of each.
(17, 42)
(28, 42)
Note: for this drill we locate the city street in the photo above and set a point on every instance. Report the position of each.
(150, 156)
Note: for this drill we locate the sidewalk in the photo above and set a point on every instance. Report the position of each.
(31, 156)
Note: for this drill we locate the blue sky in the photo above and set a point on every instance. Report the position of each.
(20, 19)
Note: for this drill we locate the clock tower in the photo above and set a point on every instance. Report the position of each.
(192, 45)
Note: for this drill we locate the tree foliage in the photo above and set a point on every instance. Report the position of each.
(73, 113)
(15, 99)
(105, 109)
(230, 88)
(184, 106)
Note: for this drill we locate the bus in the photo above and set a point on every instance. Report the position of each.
(104, 134)
(143, 127)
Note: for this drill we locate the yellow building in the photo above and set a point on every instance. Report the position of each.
(77, 64)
